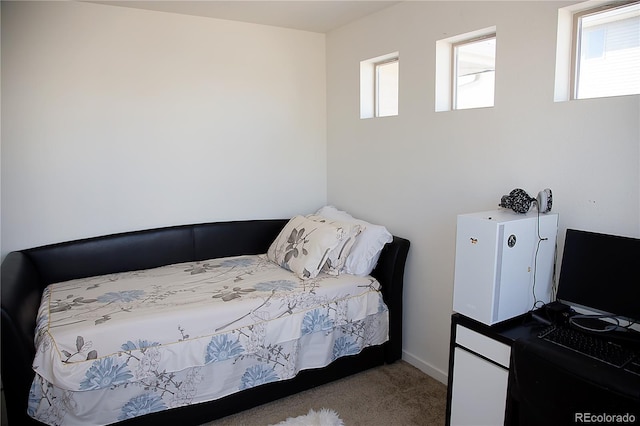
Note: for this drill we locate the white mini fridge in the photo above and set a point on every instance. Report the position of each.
(504, 263)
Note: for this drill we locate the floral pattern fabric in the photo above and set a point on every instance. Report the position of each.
(115, 347)
(307, 245)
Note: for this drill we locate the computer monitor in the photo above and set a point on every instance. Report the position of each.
(601, 273)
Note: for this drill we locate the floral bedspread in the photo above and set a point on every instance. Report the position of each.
(114, 347)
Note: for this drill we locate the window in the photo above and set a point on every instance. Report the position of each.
(387, 88)
(474, 73)
(465, 70)
(379, 82)
(606, 51)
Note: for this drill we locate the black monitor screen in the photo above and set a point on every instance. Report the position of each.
(601, 272)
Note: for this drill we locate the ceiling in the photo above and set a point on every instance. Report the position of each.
(308, 15)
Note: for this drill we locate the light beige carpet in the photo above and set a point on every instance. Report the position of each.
(396, 394)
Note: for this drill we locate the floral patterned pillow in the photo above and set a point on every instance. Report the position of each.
(338, 256)
(366, 250)
(303, 246)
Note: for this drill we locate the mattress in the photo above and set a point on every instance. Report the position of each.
(114, 347)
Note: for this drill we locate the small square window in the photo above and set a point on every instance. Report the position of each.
(379, 83)
(474, 73)
(606, 51)
(465, 70)
(387, 88)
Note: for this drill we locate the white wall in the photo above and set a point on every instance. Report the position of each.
(116, 119)
(417, 171)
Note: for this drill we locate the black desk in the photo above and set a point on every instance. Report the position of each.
(552, 385)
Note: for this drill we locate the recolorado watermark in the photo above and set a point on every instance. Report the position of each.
(626, 418)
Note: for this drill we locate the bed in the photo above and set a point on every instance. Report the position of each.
(193, 322)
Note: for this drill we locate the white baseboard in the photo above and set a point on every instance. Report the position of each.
(425, 367)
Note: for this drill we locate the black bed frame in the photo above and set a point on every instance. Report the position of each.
(26, 273)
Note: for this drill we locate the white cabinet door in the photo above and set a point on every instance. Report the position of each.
(479, 391)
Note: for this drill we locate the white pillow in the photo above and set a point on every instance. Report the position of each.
(338, 256)
(366, 250)
(303, 246)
